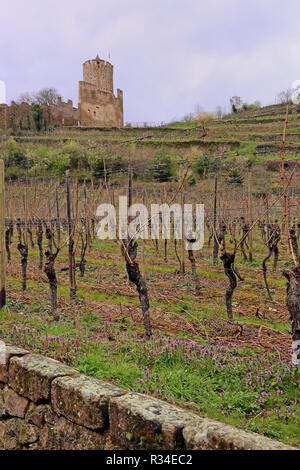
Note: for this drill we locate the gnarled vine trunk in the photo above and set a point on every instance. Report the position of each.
(136, 277)
(293, 305)
(23, 249)
(49, 270)
(228, 263)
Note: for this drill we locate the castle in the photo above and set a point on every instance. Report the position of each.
(97, 105)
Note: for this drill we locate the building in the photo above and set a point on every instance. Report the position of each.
(97, 105)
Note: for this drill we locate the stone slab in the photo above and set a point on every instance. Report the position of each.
(83, 400)
(31, 375)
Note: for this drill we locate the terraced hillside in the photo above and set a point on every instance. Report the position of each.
(244, 140)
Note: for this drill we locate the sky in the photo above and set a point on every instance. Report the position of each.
(169, 56)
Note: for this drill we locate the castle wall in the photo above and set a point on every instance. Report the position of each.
(99, 108)
(65, 113)
(21, 116)
(16, 116)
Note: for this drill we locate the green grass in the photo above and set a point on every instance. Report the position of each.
(217, 388)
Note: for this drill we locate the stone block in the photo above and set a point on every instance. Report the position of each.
(14, 404)
(36, 414)
(31, 375)
(16, 432)
(211, 434)
(141, 422)
(9, 352)
(65, 435)
(83, 400)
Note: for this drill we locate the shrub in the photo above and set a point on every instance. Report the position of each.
(205, 162)
(161, 167)
(235, 177)
(14, 155)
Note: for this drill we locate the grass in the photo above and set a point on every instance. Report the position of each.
(101, 332)
(98, 335)
(220, 381)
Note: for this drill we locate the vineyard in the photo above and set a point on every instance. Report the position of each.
(209, 330)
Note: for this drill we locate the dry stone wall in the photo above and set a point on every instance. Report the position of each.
(45, 404)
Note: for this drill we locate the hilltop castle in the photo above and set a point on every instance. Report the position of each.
(97, 104)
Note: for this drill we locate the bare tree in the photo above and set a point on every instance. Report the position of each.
(236, 103)
(219, 112)
(284, 96)
(25, 98)
(47, 96)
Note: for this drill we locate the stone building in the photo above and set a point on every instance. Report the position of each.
(97, 106)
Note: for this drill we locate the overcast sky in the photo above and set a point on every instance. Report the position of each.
(169, 55)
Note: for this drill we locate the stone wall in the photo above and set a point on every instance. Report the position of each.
(47, 405)
(65, 113)
(99, 108)
(20, 116)
(99, 73)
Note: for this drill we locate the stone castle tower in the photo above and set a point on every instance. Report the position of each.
(98, 105)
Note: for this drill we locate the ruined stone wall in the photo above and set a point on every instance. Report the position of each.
(99, 108)
(21, 116)
(65, 113)
(17, 116)
(3, 112)
(47, 405)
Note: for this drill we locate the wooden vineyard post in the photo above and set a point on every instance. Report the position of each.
(2, 238)
(72, 281)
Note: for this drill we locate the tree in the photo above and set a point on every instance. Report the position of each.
(206, 162)
(161, 167)
(199, 110)
(284, 96)
(47, 96)
(235, 177)
(235, 103)
(203, 119)
(25, 98)
(219, 112)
